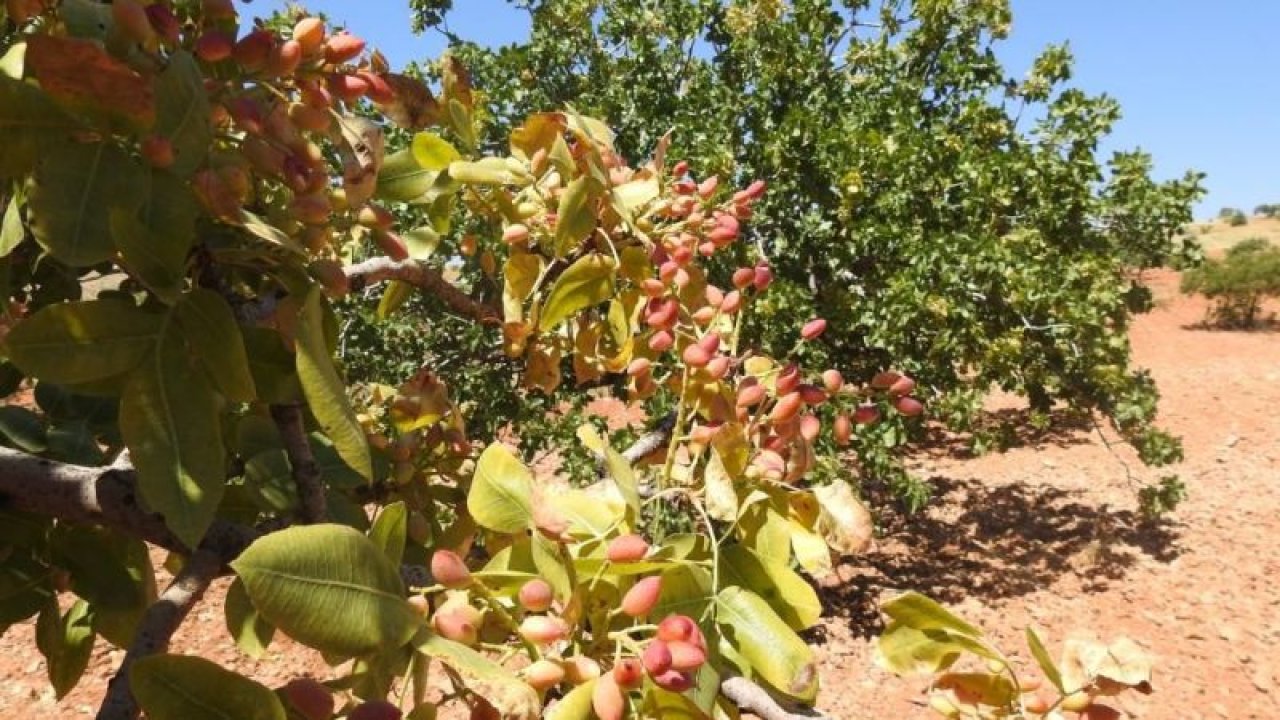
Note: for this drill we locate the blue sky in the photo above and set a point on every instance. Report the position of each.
(1197, 81)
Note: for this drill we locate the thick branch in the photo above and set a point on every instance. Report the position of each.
(105, 496)
(652, 441)
(157, 628)
(421, 276)
(750, 697)
(306, 473)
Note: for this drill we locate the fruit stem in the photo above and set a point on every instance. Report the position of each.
(505, 618)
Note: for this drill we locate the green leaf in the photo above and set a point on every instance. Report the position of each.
(780, 657)
(433, 152)
(549, 559)
(12, 231)
(24, 588)
(589, 514)
(30, 122)
(272, 366)
(624, 477)
(787, 593)
(1044, 660)
(66, 641)
(158, 263)
(587, 282)
(182, 112)
(110, 571)
(325, 391)
(917, 611)
(22, 429)
(80, 342)
(75, 186)
(402, 179)
(574, 706)
(214, 336)
(421, 242)
(180, 687)
(513, 699)
(394, 296)
(169, 419)
(501, 494)
(576, 217)
(328, 587)
(389, 531)
(245, 625)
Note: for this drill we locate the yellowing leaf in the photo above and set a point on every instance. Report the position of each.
(576, 217)
(1043, 659)
(501, 492)
(328, 587)
(844, 520)
(908, 651)
(83, 74)
(325, 391)
(512, 698)
(721, 495)
(786, 592)
(915, 610)
(763, 639)
(180, 687)
(433, 152)
(486, 171)
(587, 282)
(574, 706)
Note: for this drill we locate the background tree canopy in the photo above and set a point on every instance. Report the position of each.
(946, 217)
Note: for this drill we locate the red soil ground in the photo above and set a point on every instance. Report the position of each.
(1046, 533)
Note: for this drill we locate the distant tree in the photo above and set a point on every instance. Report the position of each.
(1237, 283)
(1237, 219)
(1269, 210)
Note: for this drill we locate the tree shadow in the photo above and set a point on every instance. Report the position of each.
(1006, 429)
(995, 543)
(1265, 326)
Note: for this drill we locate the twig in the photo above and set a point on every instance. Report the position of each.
(752, 698)
(644, 445)
(290, 421)
(421, 276)
(156, 629)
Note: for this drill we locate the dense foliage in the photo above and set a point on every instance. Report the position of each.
(940, 213)
(1237, 283)
(194, 212)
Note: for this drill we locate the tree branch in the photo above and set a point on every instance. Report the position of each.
(412, 272)
(306, 473)
(157, 628)
(106, 496)
(751, 697)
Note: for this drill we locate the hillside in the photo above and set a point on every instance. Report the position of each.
(1216, 235)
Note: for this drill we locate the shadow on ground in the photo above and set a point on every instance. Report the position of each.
(994, 543)
(1009, 428)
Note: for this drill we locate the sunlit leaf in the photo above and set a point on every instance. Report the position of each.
(390, 529)
(250, 631)
(776, 653)
(576, 217)
(433, 152)
(501, 494)
(587, 282)
(844, 520)
(512, 698)
(917, 611)
(328, 587)
(793, 599)
(66, 641)
(576, 705)
(1044, 660)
